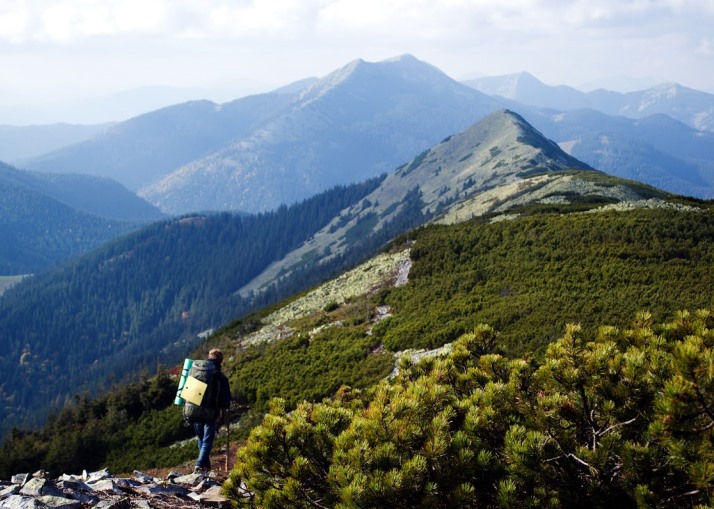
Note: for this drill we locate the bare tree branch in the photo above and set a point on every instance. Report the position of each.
(614, 426)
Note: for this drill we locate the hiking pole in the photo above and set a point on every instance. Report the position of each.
(228, 442)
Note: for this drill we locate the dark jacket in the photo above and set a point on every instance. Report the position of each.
(224, 393)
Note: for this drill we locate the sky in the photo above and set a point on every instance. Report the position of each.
(59, 50)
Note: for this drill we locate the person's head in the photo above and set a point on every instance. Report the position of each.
(216, 355)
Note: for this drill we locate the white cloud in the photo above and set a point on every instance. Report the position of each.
(140, 15)
(275, 41)
(258, 17)
(13, 24)
(74, 20)
(406, 17)
(706, 47)
(71, 20)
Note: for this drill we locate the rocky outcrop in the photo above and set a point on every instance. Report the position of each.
(103, 490)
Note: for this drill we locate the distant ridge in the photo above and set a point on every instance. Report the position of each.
(18, 143)
(692, 107)
(657, 150)
(147, 147)
(45, 220)
(99, 196)
(261, 151)
(526, 88)
(361, 120)
(357, 122)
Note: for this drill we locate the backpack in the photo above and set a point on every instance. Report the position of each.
(201, 388)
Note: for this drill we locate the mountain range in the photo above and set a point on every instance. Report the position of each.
(482, 170)
(689, 106)
(658, 150)
(258, 152)
(661, 136)
(146, 296)
(143, 149)
(364, 119)
(357, 122)
(18, 143)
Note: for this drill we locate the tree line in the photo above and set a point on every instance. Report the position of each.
(85, 325)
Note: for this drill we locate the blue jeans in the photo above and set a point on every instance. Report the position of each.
(205, 432)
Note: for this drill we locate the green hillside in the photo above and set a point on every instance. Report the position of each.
(621, 418)
(148, 295)
(89, 323)
(525, 242)
(614, 410)
(528, 277)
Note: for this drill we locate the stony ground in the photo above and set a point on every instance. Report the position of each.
(103, 490)
(162, 488)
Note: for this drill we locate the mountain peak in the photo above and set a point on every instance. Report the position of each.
(506, 132)
(510, 86)
(525, 78)
(404, 58)
(666, 86)
(407, 61)
(406, 68)
(522, 76)
(661, 92)
(499, 163)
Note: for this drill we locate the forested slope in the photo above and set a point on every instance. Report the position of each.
(39, 232)
(529, 277)
(83, 326)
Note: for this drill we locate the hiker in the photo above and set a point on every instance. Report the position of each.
(206, 429)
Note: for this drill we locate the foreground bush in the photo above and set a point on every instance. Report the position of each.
(623, 419)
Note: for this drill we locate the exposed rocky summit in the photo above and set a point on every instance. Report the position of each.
(103, 490)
